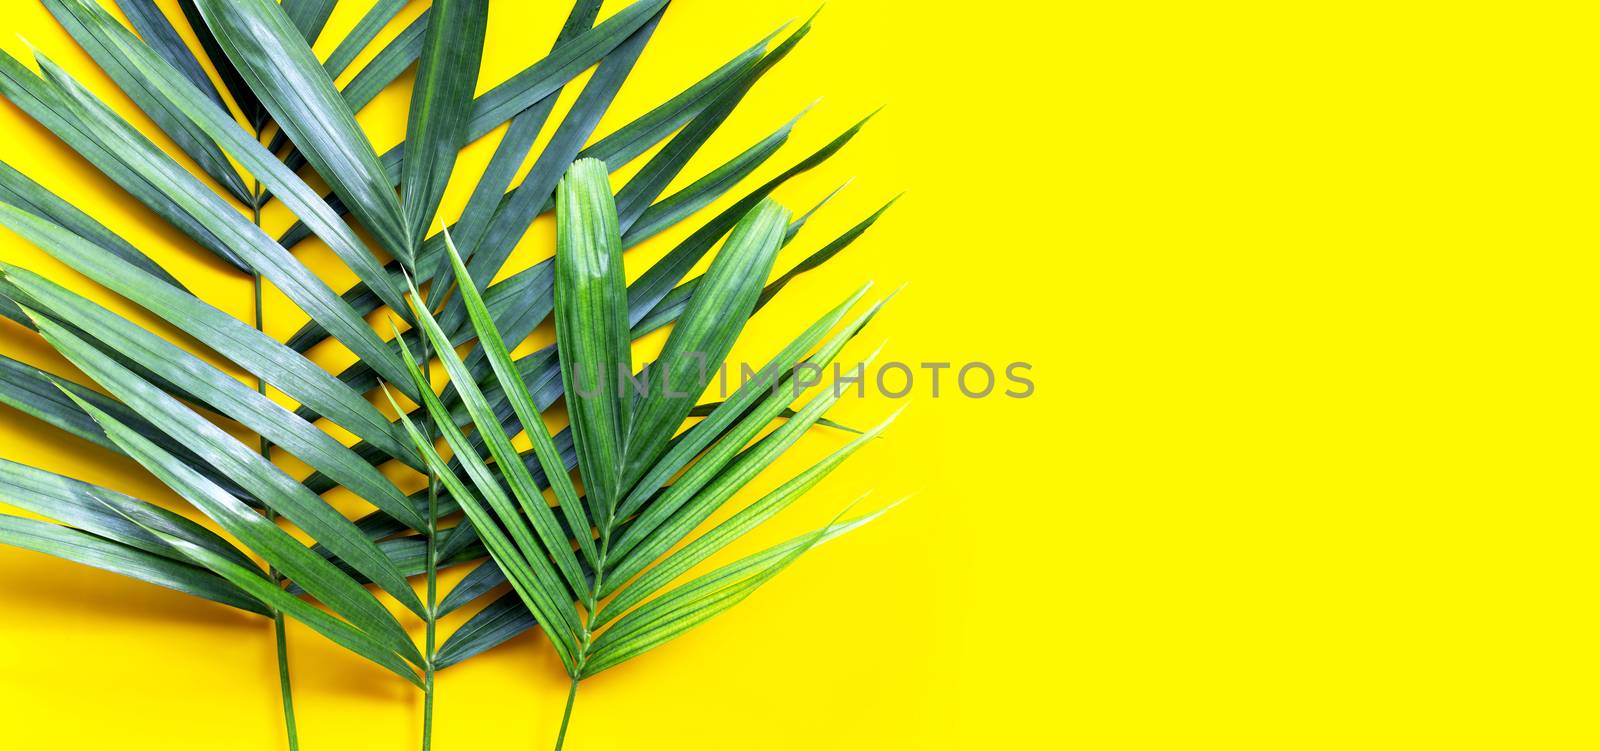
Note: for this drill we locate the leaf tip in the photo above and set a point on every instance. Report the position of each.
(814, 15)
(892, 417)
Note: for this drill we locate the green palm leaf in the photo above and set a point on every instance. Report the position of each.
(245, 346)
(592, 330)
(105, 512)
(339, 592)
(79, 19)
(189, 103)
(704, 334)
(651, 481)
(50, 107)
(85, 548)
(157, 31)
(22, 192)
(220, 391)
(263, 479)
(221, 222)
(610, 429)
(367, 29)
(277, 63)
(440, 105)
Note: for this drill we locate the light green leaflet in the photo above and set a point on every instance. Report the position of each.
(611, 428)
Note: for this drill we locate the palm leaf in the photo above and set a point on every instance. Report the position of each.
(705, 334)
(22, 192)
(263, 479)
(44, 396)
(82, 547)
(609, 430)
(243, 96)
(190, 104)
(220, 222)
(245, 346)
(309, 16)
(441, 102)
(532, 85)
(47, 105)
(105, 513)
(367, 29)
(163, 399)
(220, 391)
(592, 330)
(84, 23)
(339, 592)
(277, 63)
(157, 31)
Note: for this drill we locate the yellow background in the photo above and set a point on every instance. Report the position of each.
(1309, 464)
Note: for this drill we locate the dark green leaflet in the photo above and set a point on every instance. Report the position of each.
(84, 23)
(483, 579)
(234, 459)
(243, 97)
(409, 554)
(39, 394)
(367, 29)
(274, 59)
(309, 16)
(514, 217)
(157, 31)
(224, 393)
(488, 628)
(673, 304)
(47, 105)
(532, 85)
(19, 190)
(219, 220)
(637, 196)
(508, 157)
(548, 75)
(649, 289)
(441, 101)
(89, 508)
(82, 547)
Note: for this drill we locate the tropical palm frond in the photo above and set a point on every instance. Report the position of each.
(600, 602)
(240, 144)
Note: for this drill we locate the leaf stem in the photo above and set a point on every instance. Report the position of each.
(433, 570)
(283, 680)
(433, 612)
(280, 638)
(566, 716)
